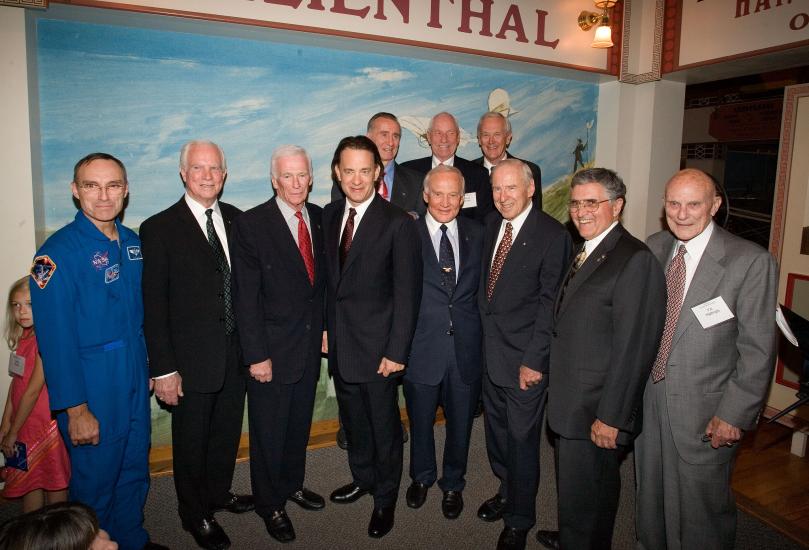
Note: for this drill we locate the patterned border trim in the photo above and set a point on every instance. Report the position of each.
(37, 4)
(791, 96)
(654, 74)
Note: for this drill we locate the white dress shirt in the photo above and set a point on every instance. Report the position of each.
(360, 208)
(218, 222)
(516, 225)
(449, 162)
(693, 253)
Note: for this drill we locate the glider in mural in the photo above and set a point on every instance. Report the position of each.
(500, 102)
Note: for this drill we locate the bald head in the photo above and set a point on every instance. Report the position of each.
(690, 203)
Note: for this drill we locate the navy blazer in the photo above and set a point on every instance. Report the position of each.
(439, 310)
(373, 302)
(279, 312)
(476, 180)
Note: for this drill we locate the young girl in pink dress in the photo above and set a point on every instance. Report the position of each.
(27, 416)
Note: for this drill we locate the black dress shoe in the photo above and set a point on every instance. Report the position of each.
(237, 504)
(492, 509)
(512, 539)
(381, 522)
(154, 546)
(347, 493)
(416, 494)
(548, 539)
(342, 442)
(279, 527)
(452, 504)
(308, 500)
(208, 534)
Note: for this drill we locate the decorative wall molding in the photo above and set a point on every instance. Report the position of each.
(657, 46)
(35, 4)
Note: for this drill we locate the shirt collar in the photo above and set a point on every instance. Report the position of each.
(288, 212)
(449, 162)
(696, 246)
(433, 225)
(198, 210)
(593, 243)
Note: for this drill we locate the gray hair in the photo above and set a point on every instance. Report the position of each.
(189, 144)
(493, 114)
(443, 169)
(442, 113)
(605, 177)
(377, 116)
(525, 171)
(285, 151)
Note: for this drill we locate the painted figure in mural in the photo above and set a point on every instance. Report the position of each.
(445, 363)
(373, 257)
(86, 297)
(494, 138)
(281, 328)
(444, 136)
(398, 185)
(578, 158)
(608, 320)
(193, 345)
(711, 374)
(525, 256)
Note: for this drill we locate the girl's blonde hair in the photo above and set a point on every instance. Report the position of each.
(13, 329)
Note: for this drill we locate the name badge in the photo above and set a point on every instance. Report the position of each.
(470, 200)
(712, 312)
(16, 364)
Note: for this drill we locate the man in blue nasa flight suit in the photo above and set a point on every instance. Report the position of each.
(85, 293)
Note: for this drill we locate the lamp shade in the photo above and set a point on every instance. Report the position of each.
(603, 37)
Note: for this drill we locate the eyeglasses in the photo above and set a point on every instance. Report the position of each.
(588, 205)
(112, 189)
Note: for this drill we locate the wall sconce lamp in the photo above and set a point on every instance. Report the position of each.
(589, 19)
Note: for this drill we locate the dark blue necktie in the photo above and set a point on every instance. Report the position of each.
(446, 261)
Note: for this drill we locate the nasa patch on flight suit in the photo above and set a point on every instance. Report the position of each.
(134, 253)
(112, 273)
(42, 270)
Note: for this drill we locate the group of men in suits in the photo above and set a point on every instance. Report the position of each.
(454, 308)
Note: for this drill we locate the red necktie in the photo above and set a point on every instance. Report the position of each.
(383, 187)
(305, 246)
(348, 237)
(499, 259)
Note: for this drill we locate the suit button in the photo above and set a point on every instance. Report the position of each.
(308, 327)
(221, 294)
(450, 306)
(553, 334)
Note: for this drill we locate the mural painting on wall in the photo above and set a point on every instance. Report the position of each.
(140, 93)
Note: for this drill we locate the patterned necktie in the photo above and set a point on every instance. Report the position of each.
(305, 246)
(675, 286)
(348, 237)
(577, 263)
(499, 259)
(446, 260)
(224, 268)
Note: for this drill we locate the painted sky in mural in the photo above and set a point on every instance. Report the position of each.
(140, 93)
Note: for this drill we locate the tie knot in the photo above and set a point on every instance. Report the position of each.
(351, 213)
(681, 250)
(209, 213)
(299, 215)
(443, 229)
(508, 227)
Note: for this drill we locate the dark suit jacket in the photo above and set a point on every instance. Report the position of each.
(373, 303)
(407, 190)
(476, 179)
(439, 311)
(723, 370)
(517, 322)
(184, 308)
(608, 327)
(535, 172)
(280, 314)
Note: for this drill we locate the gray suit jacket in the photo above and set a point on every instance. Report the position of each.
(723, 370)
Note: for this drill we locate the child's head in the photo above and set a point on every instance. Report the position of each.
(62, 526)
(18, 312)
